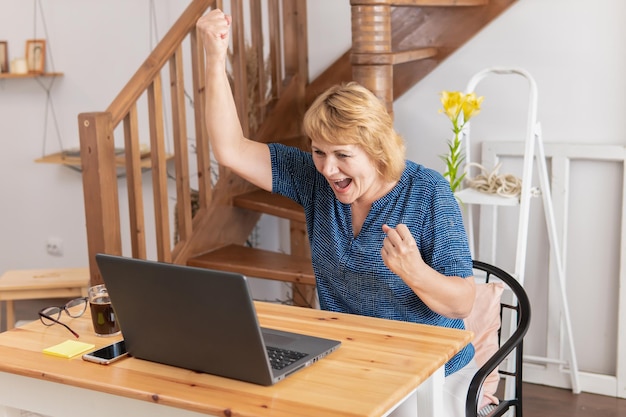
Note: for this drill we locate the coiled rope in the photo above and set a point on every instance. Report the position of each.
(505, 185)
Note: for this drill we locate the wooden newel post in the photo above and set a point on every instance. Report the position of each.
(372, 57)
(102, 216)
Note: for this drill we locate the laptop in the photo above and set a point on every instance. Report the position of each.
(203, 320)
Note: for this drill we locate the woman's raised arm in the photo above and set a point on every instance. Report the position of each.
(249, 159)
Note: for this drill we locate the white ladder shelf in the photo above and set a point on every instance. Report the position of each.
(533, 151)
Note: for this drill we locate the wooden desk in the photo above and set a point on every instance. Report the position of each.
(379, 365)
(41, 283)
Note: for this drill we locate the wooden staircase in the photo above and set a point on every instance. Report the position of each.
(395, 44)
(295, 267)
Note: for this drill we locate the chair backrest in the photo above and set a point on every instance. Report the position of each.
(516, 301)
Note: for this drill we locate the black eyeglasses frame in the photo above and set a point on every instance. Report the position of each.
(45, 314)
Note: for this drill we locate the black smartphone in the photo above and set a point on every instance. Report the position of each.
(107, 354)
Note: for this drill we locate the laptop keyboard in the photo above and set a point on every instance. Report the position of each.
(280, 358)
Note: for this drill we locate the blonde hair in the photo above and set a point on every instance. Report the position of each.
(350, 114)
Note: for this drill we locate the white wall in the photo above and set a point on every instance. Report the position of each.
(573, 49)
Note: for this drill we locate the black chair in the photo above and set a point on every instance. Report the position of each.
(520, 307)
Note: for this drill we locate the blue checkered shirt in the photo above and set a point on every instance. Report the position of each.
(350, 273)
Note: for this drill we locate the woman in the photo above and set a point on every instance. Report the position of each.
(387, 237)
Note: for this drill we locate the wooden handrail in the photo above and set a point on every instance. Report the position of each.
(143, 77)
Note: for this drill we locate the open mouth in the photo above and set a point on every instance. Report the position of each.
(342, 184)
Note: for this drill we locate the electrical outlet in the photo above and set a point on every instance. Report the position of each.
(54, 246)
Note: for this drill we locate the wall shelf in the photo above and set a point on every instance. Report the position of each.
(72, 159)
(6, 75)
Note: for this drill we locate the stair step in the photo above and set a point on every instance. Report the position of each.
(258, 263)
(393, 58)
(268, 203)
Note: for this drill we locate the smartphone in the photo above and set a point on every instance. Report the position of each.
(107, 354)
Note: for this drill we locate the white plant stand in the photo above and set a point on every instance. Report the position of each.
(533, 151)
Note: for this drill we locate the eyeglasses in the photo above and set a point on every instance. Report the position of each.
(74, 308)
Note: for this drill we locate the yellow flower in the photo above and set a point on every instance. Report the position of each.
(471, 106)
(452, 102)
(455, 104)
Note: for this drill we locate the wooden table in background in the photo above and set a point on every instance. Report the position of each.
(380, 364)
(32, 284)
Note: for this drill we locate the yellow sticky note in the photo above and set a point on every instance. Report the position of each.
(68, 349)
